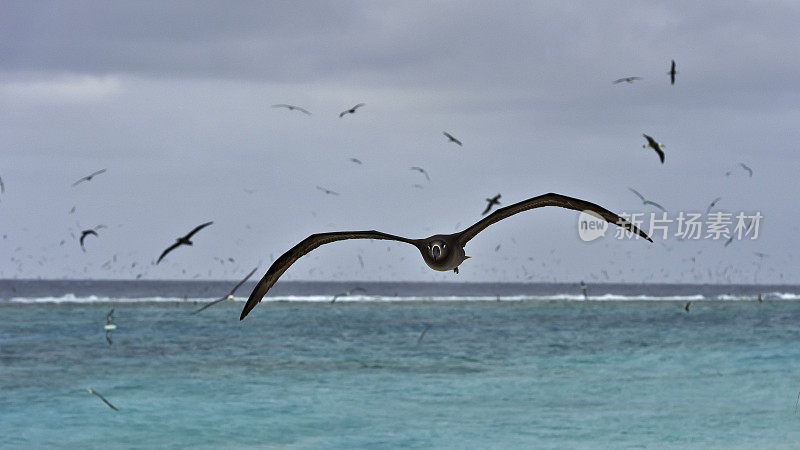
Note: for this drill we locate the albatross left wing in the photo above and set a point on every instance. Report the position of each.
(550, 199)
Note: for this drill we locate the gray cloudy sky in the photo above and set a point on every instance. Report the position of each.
(174, 100)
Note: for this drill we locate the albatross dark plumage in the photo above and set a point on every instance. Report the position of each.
(422, 171)
(351, 110)
(442, 252)
(100, 396)
(626, 79)
(450, 138)
(109, 326)
(88, 177)
(230, 294)
(491, 202)
(652, 143)
(185, 240)
(672, 72)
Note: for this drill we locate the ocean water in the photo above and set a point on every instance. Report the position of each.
(500, 366)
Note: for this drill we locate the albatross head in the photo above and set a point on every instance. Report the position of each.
(442, 252)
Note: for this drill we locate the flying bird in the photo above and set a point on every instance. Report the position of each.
(85, 233)
(2, 186)
(356, 160)
(109, 326)
(442, 252)
(451, 138)
(88, 177)
(584, 289)
(422, 171)
(351, 110)
(646, 201)
(492, 201)
(713, 203)
(422, 335)
(687, 305)
(93, 392)
(657, 146)
(672, 72)
(327, 191)
(626, 79)
(348, 293)
(182, 240)
(744, 166)
(230, 294)
(292, 108)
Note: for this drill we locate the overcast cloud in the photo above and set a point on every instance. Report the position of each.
(173, 98)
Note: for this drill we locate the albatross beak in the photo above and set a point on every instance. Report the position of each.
(436, 252)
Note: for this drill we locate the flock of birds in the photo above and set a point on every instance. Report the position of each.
(441, 252)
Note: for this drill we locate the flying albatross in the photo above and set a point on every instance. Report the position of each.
(492, 201)
(672, 72)
(655, 146)
(85, 233)
(110, 325)
(88, 177)
(450, 138)
(422, 171)
(646, 201)
(440, 252)
(351, 110)
(713, 204)
(93, 392)
(230, 294)
(292, 108)
(626, 79)
(182, 240)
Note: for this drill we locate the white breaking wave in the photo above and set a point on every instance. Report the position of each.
(72, 298)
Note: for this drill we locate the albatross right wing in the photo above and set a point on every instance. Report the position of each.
(306, 245)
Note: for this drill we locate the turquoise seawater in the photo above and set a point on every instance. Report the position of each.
(509, 374)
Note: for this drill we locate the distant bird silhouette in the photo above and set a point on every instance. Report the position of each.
(109, 326)
(93, 392)
(759, 298)
(355, 160)
(2, 186)
(292, 108)
(584, 289)
(422, 335)
(687, 305)
(749, 170)
(626, 79)
(327, 191)
(713, 204)
(492, 201)
(230, 294)
(442, 252)
(646, 201)
(182, 241)
(348, 293)
(657, 146)
(85, 233)
(422, 171)
(451, 138)
(672, 72)
(88, 177)
(351, 110)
